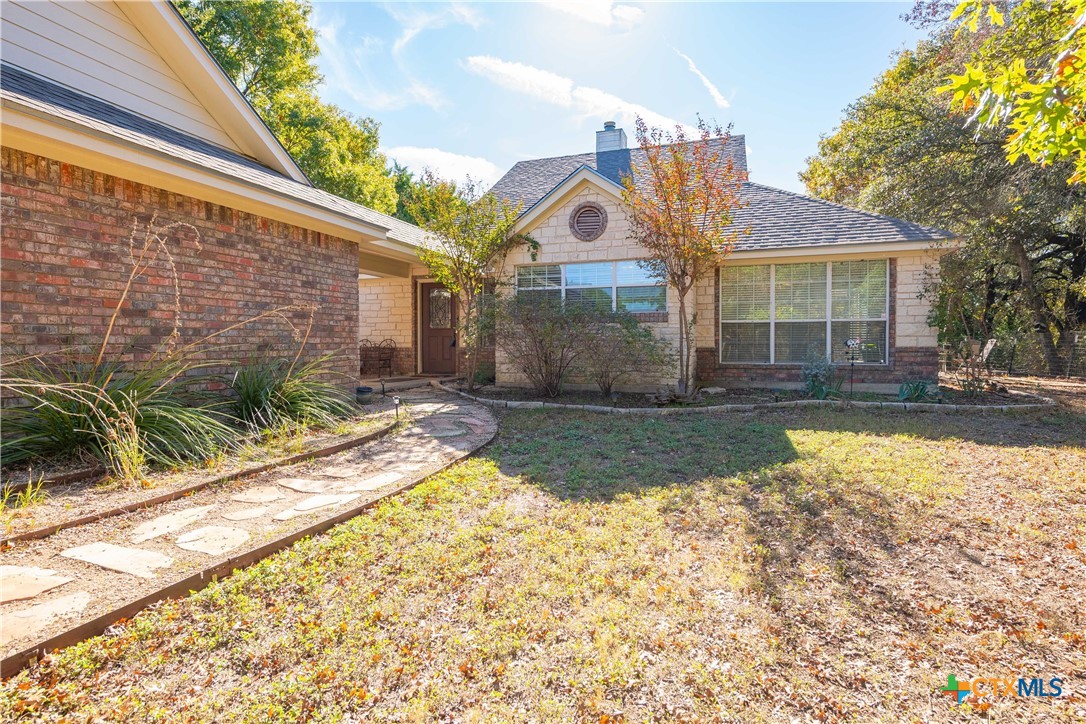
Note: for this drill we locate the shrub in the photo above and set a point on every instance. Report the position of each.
(542, 338)
(913, 391)
(269, 395)
(821, 379)
(122, 418)
(621, 347)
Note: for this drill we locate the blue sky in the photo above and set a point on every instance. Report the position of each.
(472, 88)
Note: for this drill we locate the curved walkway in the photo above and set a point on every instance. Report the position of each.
(79, 575)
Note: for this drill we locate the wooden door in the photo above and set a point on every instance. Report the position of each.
(438, 330)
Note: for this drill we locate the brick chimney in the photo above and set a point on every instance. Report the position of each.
(610, 138)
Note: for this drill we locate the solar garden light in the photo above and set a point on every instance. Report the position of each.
(396, 401)
(853, 349)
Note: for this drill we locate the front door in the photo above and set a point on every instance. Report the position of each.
(438, 330)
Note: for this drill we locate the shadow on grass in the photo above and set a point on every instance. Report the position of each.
(581, 456)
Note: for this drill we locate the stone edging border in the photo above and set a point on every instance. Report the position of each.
(842, 404)
(13, 664)
(47, 531)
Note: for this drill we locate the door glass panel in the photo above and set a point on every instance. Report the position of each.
(440, 309)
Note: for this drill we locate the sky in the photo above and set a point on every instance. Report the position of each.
(469, 89)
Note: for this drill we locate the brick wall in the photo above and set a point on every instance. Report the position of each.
(65, 242)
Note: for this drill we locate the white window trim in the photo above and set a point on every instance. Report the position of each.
(772, 321)
(614, 287)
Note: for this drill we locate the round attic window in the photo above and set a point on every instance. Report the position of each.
(588, 221)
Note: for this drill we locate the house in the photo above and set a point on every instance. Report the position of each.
(113, 112)
(809, 276)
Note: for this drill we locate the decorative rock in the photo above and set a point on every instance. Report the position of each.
(27, 622)
(374, 482)
(302, 485)
(263, 494)
(213, 540)
(132, 561)
(245, 513)
(168, 523)
(20, 582)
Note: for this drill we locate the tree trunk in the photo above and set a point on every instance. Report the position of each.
(1041, 317)
(684, 347)
(468, 344)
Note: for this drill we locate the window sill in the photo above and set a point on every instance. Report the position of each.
(652, 317)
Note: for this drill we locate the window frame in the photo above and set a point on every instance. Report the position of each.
(829, 320)
(613, 287)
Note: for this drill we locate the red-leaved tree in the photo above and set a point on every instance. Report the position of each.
(681, 198)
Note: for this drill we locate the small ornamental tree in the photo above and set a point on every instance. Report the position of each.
(470, 236)
(681, 201)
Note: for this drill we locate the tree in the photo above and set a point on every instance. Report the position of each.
(681, 202)
(902, 150)
(269, 50)
(1029, 81)
(470, 237)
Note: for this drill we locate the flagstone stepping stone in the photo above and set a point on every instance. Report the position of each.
(303, 485)
(447, 432)
(213, 539)
(405, 467)
(133, 561)
(373, 482)
(246, 513)
(262, 494)
(27, 622)
(19, 582)
(343, 471)
(168, 523)
(314, 503)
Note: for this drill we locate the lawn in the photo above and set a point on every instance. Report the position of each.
(779, 565)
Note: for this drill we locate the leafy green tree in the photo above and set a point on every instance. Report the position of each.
(1029, 81)
(902, 150)
(268, 48)
(471, 234)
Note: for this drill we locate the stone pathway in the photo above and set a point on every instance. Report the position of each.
(50, 585)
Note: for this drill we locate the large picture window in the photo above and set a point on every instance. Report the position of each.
(617, 286)
(789, 313)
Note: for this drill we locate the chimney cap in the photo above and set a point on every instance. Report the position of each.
(608, 125)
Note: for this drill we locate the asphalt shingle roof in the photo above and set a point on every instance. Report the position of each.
(45, 97)
(777, 219)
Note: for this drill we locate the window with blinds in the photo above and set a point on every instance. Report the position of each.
(617, 286)
(790, 313)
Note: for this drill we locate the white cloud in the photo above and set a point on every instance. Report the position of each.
(535, 82)
(600, 12)
(414, 18)
(447, 165)
(346, 67)
(591, 103)
(718, 97)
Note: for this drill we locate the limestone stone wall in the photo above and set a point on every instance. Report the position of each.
(385, 312)
(558, 245)
(914, 273)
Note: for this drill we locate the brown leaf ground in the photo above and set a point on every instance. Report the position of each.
(825, 565)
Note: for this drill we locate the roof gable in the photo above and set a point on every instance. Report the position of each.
(144, 58)
(777, 219)
(584, 176)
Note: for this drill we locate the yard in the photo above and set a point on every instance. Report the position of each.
(795, 564)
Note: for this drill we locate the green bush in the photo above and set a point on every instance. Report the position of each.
(620, 348)
(913, 391)
(122, 418)
(269, 395)
(821, 379)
